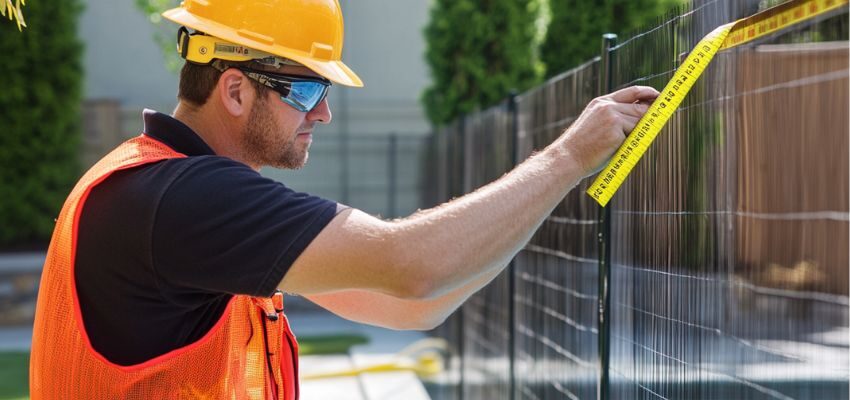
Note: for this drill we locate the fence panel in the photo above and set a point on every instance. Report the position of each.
(444, 171)
(383, 172)
(724, 234)
(728, 242)
(556, 291)
(489, 150)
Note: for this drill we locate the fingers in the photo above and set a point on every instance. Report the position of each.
(633, 94)
(604, 124)
(631, 109)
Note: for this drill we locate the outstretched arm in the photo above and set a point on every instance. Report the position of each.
(432, 254)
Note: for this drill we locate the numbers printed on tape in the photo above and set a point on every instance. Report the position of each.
(656, 116)
(723, 37)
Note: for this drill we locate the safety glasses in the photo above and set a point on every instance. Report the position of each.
(301, 92)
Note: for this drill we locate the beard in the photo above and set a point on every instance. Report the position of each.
(265, 146)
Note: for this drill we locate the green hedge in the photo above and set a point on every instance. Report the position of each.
(39, 119)
(478, 50)
(575, 31)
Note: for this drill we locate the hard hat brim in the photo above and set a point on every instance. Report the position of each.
(335, 71)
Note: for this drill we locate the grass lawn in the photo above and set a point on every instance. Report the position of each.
(14, 366)
(14, 375)
(328, 344)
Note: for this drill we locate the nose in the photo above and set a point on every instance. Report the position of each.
(321, 114)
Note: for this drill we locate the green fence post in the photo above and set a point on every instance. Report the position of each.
(392, 175)
(609, 40)
(514, 116)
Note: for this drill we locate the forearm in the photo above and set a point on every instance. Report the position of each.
(477, 234)
(396, 313)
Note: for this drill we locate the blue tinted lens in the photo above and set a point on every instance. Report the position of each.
(305, 96)
(302, 93)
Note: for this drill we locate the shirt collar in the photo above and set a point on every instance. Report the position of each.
(174, 134)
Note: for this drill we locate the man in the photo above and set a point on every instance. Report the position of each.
(164, 274)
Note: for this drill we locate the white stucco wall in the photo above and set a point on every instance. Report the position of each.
(384, 44)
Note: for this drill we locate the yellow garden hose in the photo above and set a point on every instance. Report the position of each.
(424, 357)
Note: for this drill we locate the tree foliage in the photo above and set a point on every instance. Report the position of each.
(13, 11)
(478, 50)
(576, 28)
(40, 118)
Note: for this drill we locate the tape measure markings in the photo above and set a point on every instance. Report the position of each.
(723, 37)
(776, 19)
(656, 116)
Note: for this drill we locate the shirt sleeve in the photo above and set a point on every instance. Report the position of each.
(221, 227)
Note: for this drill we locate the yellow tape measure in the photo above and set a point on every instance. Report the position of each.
(724, 37)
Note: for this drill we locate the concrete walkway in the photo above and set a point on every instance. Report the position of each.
(382, 347)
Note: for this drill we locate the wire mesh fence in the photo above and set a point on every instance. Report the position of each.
(377, 173)
(724, 255)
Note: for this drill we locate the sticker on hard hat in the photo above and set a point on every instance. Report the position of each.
(224, 49)
(196, 48)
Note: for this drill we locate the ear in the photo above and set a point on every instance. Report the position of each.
(234, 92)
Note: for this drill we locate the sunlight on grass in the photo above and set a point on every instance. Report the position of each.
(14, 375)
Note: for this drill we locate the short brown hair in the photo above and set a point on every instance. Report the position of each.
(197, 82)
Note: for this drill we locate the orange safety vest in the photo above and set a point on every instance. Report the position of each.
(250, 353)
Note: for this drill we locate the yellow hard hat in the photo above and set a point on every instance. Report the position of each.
(309, 32)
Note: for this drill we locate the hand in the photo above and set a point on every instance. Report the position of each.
(603, 125)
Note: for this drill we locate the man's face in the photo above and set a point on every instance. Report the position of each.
(278, 135)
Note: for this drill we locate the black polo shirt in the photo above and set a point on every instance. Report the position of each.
(163, 247)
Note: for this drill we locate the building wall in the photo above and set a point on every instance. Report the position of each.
(121, 60)
(385, 45)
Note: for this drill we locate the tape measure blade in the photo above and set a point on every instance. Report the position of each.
(661, 110)
(778, 18)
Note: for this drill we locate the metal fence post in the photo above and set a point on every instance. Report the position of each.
(609, 40)
(392, 178)
(344, 152)
(344, 149)
(461, 320)
(514, 117)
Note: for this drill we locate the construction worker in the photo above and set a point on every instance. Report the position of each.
(164, 275)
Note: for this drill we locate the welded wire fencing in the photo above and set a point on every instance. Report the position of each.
(377, 173)
(720, 269)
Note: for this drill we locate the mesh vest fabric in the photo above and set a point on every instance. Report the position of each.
(250, 353)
